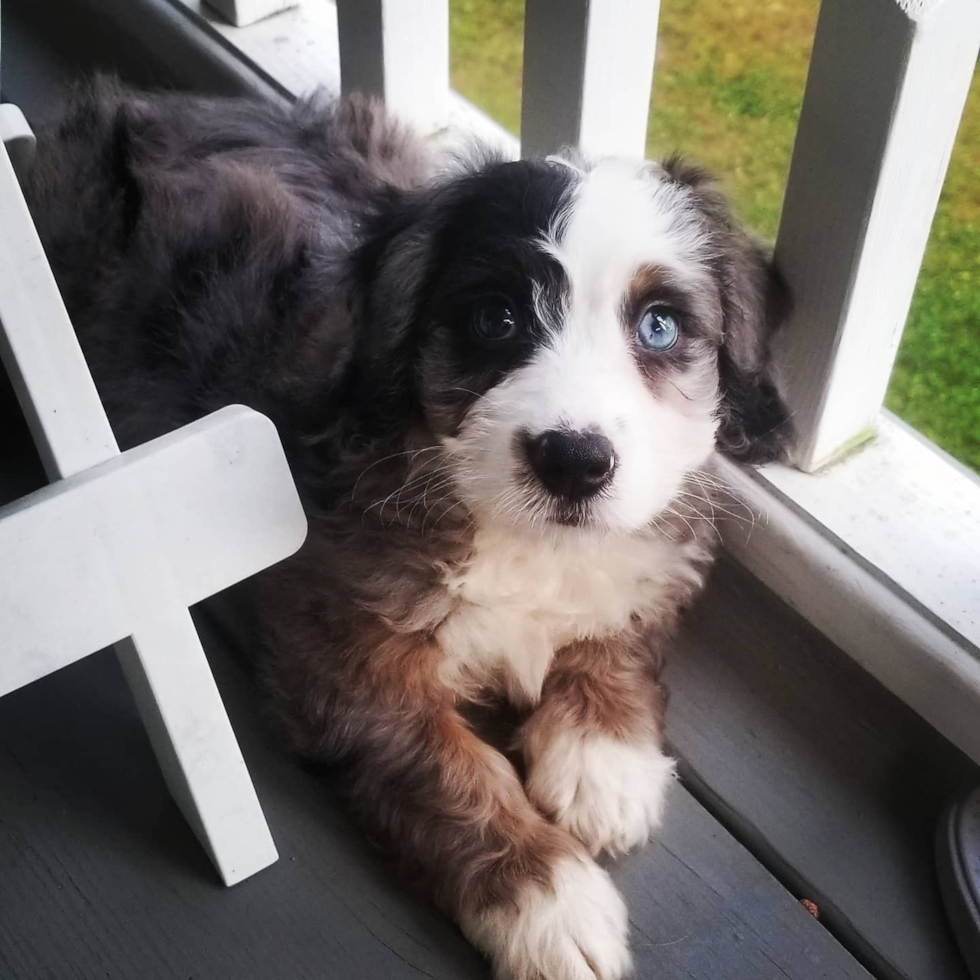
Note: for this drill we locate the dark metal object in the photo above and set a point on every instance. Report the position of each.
(958, 864)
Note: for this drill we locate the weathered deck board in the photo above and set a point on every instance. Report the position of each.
(99, 875)
(825, 775)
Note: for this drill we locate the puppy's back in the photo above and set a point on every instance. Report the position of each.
(200, 244)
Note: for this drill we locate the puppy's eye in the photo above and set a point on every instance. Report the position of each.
(659, 328)
(495, 324)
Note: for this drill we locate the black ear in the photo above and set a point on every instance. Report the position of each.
(387, 281)
(754, 423)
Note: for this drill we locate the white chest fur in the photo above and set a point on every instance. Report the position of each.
(521, 597)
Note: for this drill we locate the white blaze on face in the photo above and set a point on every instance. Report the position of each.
(586, 376)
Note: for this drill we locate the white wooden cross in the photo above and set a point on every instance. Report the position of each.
(118, 546)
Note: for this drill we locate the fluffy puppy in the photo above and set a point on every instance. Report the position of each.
(496, 386)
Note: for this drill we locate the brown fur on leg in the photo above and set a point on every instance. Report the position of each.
(593, 748)
(610, 686)
(449, 808)
(453, 812)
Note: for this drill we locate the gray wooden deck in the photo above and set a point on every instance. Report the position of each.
(830, 780)
(100, 877)
(797, 766)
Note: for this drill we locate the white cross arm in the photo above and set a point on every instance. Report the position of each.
(206, 506)
(37, 342)
(18, 138)
(119, 546)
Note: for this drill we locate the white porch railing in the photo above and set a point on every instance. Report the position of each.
(398, 50)
(887, 85)
(588, 68)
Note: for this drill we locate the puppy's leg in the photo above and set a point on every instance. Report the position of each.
(593, 747)
(453, 813)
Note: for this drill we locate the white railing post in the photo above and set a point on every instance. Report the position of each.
(398, 50)
(241, 13)
(887, 84)
(588, 70)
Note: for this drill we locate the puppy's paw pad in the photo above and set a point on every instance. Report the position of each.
(609, 793)
(576, 930)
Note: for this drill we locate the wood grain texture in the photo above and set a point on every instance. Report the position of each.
(828, 778)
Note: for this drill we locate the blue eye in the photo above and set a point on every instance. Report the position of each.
(659, 328)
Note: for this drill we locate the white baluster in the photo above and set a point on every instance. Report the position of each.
(588, 69)
(398, 50)
(241, 13)
(886, 89)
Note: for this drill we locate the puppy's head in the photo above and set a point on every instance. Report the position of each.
(578, 337)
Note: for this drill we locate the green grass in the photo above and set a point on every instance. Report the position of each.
(728, 88)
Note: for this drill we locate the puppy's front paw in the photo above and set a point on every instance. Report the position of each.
(575, 930)
(609, 793)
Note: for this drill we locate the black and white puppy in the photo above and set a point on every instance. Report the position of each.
(497, 387)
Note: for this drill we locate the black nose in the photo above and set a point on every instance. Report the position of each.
(572, 464)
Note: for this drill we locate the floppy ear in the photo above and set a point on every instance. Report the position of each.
(386, 280)
(754, 423)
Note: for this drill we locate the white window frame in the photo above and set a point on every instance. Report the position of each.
(873, 545)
